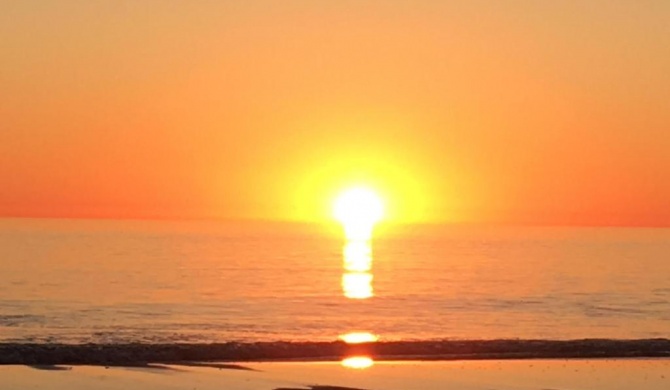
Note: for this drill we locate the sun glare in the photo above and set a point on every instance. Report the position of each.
(357, 285)
(359, 338)
(358, 210)
(357, 362)
(357, 256)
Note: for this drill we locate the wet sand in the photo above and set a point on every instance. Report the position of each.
(134, 354)
(599, 374)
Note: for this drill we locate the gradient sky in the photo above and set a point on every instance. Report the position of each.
(554, 112)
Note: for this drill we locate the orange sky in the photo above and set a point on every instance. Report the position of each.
(476, 111)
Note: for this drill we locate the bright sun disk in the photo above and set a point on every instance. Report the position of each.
(358, 209)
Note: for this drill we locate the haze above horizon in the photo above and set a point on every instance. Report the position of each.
(474, 111)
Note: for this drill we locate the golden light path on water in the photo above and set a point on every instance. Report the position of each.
(358, 362)
(357, 256)
(357, 280)
(359, 337)
(358, 210)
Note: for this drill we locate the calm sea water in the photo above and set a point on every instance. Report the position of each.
(105, 281)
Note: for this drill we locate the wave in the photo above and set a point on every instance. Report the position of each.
(19, 319)
(136, 353)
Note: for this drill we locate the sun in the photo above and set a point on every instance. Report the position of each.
(358, 209)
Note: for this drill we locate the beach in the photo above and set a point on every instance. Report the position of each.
(334, 195)
(118, 305)
(558, 374)
(466, 364)
(141, 354)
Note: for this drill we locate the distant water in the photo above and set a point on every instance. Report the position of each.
(165, 282)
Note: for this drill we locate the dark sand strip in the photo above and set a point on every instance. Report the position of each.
(151, 367)
(49, 367)
(142, 354)
(318, 387)
(220, 366)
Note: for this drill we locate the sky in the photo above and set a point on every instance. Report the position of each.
(514, 112)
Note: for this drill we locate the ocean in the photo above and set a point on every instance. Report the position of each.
(163, 282)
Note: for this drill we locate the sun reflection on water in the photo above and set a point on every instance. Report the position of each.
(357, 256)
(359, 338)
(358, 210)
(356, 280)
(357, 285)
(358, 362)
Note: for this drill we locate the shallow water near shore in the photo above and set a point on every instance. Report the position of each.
(200, 282)
(625, 374)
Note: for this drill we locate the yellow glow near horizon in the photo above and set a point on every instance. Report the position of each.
(358, 362)
(358, 210)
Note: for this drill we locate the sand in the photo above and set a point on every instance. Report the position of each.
(587, 374)
(132, 354)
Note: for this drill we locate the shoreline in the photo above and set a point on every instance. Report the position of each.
(281, 351)
(592, 374)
